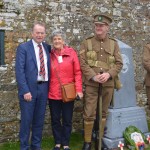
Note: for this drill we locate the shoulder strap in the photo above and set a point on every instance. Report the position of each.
(112, 46)
(89, 42)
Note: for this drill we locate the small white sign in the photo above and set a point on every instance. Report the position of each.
(60, 60)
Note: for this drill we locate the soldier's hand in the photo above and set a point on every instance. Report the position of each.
(96, 78)
(104, 77)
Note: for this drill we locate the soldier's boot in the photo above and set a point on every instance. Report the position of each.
(88, 126)
(87, 146)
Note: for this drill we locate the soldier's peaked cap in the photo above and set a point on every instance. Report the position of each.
(102, 19)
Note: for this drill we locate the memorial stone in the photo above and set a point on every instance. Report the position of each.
(124, 112)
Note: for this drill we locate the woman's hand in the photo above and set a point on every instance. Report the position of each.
(80, 94)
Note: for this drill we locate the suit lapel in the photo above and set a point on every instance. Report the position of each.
(32, 51)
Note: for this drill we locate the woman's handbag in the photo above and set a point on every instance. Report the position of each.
(68, 92)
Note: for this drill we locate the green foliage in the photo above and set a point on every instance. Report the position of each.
(127, 136)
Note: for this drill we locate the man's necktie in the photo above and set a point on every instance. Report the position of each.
(41, 56)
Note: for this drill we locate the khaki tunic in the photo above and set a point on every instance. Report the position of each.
(103, 51)
(146, 64)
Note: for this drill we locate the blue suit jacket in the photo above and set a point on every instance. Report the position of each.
(26, 68)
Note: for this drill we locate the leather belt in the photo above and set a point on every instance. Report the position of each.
(41, 82)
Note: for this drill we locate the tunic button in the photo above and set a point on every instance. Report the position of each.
(101, 55)
(101, 48)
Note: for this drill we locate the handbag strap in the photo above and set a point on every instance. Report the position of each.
(56, 71)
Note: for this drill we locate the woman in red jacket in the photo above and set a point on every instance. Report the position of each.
(65, 68)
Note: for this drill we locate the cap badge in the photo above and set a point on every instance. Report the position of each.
(99, 18)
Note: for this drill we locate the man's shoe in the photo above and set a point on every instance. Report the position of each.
(87, 146)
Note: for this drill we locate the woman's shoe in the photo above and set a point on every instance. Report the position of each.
(67, 148)
(56, 148)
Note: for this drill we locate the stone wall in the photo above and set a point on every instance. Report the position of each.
(131, 25)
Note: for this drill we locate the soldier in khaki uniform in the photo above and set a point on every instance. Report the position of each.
(146, 64)
(98, 53)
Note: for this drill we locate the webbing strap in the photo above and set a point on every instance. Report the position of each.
(89, 42)
(112, 47)
(98, 64)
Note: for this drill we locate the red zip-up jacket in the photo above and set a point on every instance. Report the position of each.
(68, 71)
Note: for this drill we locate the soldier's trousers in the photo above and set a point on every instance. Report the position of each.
(90, 105)
(90, 102)
(148, 95)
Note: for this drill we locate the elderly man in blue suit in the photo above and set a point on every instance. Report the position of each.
(32, 75)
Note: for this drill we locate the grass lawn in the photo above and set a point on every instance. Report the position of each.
(48, 143)
(76, 143)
